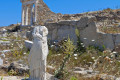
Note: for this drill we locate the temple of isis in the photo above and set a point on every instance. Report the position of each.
(36, 12)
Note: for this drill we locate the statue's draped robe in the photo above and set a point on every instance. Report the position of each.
(38, 54)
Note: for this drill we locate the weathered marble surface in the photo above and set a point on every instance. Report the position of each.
(38, 54)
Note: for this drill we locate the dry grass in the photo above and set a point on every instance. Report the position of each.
(55, 58)
(106, 63)
(112, 30)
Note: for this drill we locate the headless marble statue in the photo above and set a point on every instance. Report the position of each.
(38, 54)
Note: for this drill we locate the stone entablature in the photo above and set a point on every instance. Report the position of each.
(23, 1)
(27, 2)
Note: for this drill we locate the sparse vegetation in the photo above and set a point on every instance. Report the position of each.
(110, 29)
(68, 49)
(93, 57)
(65, 56)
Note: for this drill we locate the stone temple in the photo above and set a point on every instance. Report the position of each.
(36, 12)
(28, 12)
(60, 26)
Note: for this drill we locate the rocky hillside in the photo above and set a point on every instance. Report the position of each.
(105, 19)
(45, 14)
(84, 63)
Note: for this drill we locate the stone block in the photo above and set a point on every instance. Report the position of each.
(28, 44)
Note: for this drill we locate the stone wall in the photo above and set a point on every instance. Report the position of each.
(88, 32)
(44, 14)
(63, 29)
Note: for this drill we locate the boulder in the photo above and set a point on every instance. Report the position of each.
(5, 42)
(28, 44)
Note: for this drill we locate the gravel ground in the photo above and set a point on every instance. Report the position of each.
(49, 77)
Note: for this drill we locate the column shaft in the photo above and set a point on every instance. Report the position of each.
(23, 15)
(26, 20)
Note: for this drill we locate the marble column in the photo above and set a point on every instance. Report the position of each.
(26, 16)
(36, 15)
(33, 16)
(23, 15)
(29, 14)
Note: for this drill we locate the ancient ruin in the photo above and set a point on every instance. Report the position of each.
(28, 12)
(36, 12)
(84, 46)
(60, 26)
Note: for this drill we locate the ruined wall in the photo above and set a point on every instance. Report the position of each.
(61, 30)
(88, 32)
(61, 26)
(44, 14)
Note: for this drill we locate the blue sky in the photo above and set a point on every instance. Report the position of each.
(10, 10)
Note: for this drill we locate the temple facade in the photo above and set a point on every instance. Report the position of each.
(28, 12)
(36, 12)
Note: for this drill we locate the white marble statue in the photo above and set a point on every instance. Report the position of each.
(38, 54)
